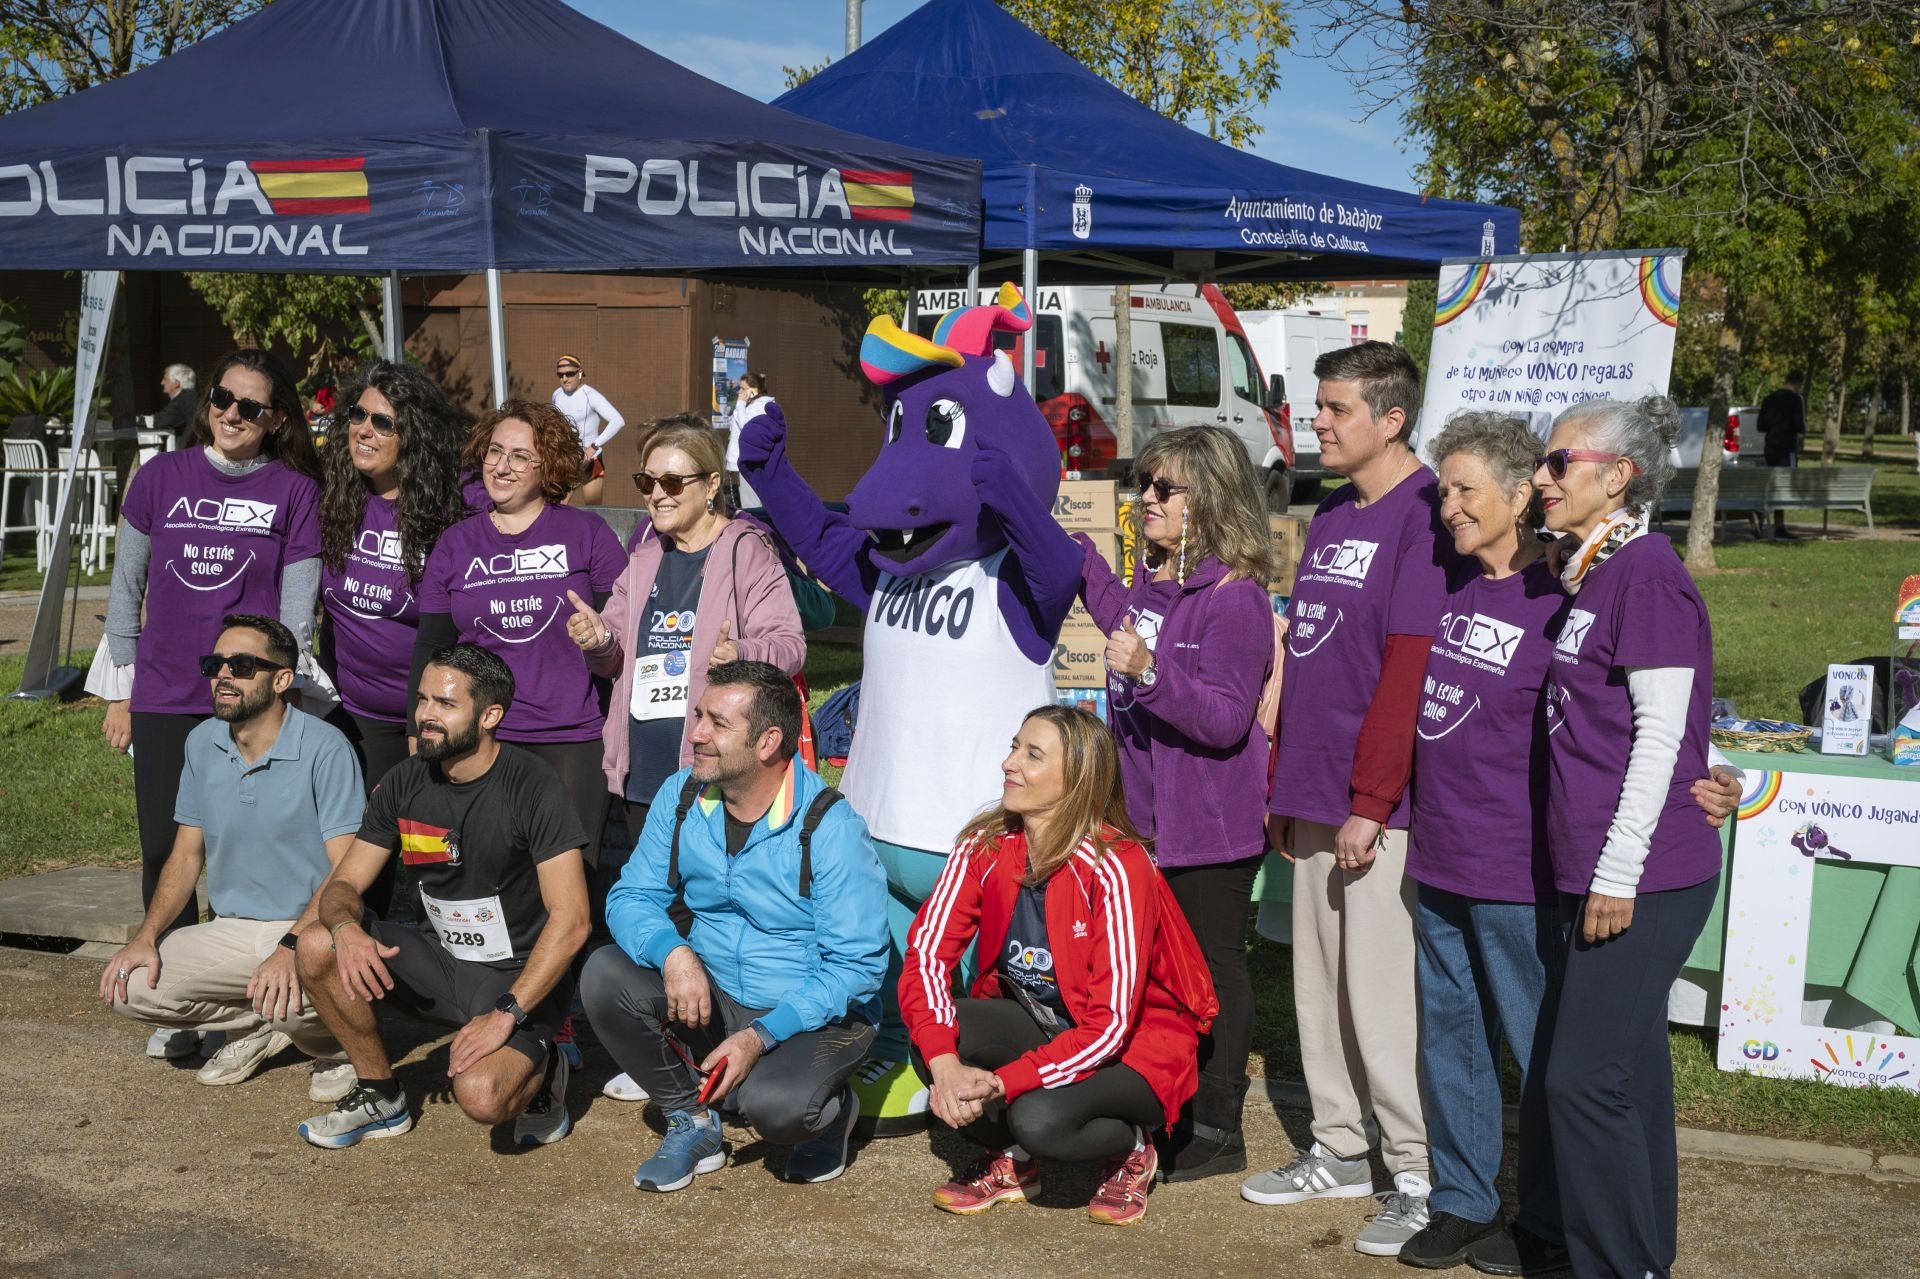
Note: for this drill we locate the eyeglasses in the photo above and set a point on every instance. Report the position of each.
(1161, 489)
(518, 461)
(243, 665)
(1556, 461)
(382, 422)
(223, 399)
(669, 484)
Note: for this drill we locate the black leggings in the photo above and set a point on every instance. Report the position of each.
(381, 745)
(159, 757)
(1217, 901)
(1093, 1119)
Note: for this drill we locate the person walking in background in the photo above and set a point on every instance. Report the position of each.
(594, 420)
(1366, 604)
(1189, 650)
(1783, 427)
(230, 525)
(750, 400)
(1628, 701)
(1079, 1037)
(176, 416)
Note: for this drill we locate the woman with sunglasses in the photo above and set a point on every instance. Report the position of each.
(393, 483)
(594, 419)
(507, 578)
(228, 525)
(1189, 649)
(1627, 695)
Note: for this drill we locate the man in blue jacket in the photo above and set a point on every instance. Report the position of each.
(750, 941)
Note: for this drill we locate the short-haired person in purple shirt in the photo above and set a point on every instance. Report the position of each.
(1627, 702)
(228, 524)
(1189, 647)
(1366, 603)
(500, 579)
(1486, 920)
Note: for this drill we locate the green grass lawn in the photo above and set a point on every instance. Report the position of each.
(19, 573)
(66, 797)
(1896, 489)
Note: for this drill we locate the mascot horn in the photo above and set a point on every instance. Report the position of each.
(948, 543)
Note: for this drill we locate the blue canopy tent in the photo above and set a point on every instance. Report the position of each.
(369, 136)
(1108, 188)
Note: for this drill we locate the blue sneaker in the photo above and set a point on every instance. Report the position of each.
(362, 1114)
(690, 1148)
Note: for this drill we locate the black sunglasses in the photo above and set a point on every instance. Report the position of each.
(1161, 489)
(669, 484)
(382, 422)
(223, 399)
(243, 665)
(566, 372)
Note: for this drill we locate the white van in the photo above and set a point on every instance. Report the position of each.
(1192, 364)
(1287, 343)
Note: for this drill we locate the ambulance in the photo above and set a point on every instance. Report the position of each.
(1192, 365)
(1287, 343)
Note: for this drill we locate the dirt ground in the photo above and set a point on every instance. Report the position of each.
(115, 1165)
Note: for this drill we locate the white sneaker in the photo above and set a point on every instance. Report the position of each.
(238, 1059)
(331, 1080)
(623, 1088)
(172, 1045)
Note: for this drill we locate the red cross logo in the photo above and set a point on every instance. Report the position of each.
(1100, 355)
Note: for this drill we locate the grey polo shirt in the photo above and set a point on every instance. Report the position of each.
(267, 823)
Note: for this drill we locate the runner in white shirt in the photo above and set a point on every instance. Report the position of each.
(594, 417)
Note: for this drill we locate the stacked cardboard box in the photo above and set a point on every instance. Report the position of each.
(1289, 536)
(1085, 506)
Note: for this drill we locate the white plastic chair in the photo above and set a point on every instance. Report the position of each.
(96, 510)
(27, 475)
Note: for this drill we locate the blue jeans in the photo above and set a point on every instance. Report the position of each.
(911, 875)
(1487, 970)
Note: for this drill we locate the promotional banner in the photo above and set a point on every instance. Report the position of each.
(1531, 334)
(1789, 822)
(729, 366)
(97, 292)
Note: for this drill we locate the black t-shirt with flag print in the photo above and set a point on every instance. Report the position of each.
(474, 848)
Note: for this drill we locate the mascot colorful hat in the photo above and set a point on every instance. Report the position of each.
(948, 399)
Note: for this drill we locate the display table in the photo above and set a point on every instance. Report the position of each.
(1863, 947)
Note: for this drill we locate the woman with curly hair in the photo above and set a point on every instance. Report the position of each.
(391, 485)
(508, 579)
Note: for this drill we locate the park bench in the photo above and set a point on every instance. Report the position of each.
(1761, 490)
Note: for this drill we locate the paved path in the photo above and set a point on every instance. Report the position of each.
(117, 1165)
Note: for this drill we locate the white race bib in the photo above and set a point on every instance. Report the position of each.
(661, 684)
(475, 931)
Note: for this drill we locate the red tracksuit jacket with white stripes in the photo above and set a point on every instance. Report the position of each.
(1129, 970)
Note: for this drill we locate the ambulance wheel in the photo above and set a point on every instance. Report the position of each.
(1279, 490)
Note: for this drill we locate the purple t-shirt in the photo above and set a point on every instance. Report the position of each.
(373, 613)
(1480, 747)
(1639, 608)
(1365, 573)
(508, 594)
(1133, 726)
(219, 545)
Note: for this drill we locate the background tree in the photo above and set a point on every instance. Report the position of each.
(305, 313)
(50, 48)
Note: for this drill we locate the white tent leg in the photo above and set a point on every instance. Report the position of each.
(1029, 284)
(973, 284)
(390, 308)
(497, 336)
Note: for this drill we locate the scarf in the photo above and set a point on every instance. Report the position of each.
(1602, 544)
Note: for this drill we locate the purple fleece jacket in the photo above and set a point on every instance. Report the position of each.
(1204, 754)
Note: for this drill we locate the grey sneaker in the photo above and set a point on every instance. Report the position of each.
(1314, 1175)
(172, 1045)
(238, 1059)
(545, 1120)
(331, 1081)
(1402, 1215)
(362, 1115)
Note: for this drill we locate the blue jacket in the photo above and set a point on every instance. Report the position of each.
(806, 960)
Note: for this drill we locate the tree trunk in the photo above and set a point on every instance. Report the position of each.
(1906, 404)
(1836, 393)
(1123, 373)
(1873, 418)
(1706, 488)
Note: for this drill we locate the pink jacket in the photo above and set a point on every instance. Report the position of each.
(758, 601)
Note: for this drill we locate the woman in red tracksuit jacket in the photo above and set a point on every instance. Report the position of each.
(1082, 1031)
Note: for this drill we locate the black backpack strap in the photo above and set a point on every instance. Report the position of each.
(816, 811)
(682, 917)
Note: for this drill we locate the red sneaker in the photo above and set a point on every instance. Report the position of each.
(1121, 1197)
(993, 1178)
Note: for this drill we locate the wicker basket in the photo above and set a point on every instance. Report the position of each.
(1736, 739)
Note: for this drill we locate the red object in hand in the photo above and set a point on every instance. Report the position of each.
(713, 1081)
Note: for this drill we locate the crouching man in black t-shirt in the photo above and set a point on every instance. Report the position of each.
(495, 847)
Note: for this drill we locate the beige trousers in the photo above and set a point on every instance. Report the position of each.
(204, 971)
(1353, 991)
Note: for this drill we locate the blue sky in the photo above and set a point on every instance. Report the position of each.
(1314, 121)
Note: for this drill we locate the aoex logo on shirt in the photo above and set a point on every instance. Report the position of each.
(530, 561)
(232, 512)
(381, 547)
(1485, 641)
(1349, 559)
(1572, 635)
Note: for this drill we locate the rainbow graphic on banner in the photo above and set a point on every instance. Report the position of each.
(1658, 291)
(1761, 790)
(1862, 1062)
(1455, 304)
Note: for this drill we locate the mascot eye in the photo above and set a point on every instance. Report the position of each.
(894, 417)
(946, 424)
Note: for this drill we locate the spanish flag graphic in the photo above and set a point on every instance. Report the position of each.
(876, 196)
(424, 845)
(298, 187)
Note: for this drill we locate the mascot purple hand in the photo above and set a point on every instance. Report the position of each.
(764, 435)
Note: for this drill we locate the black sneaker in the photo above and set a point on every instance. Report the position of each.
(1445, 1241)
(1518, 1251)
(1200, 1150)
(823, 1156)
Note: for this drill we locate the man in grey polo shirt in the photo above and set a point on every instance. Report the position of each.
(269, 800)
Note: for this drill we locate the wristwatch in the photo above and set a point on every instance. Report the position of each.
(511, 1007)
(291, 941)
(1147, 678)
